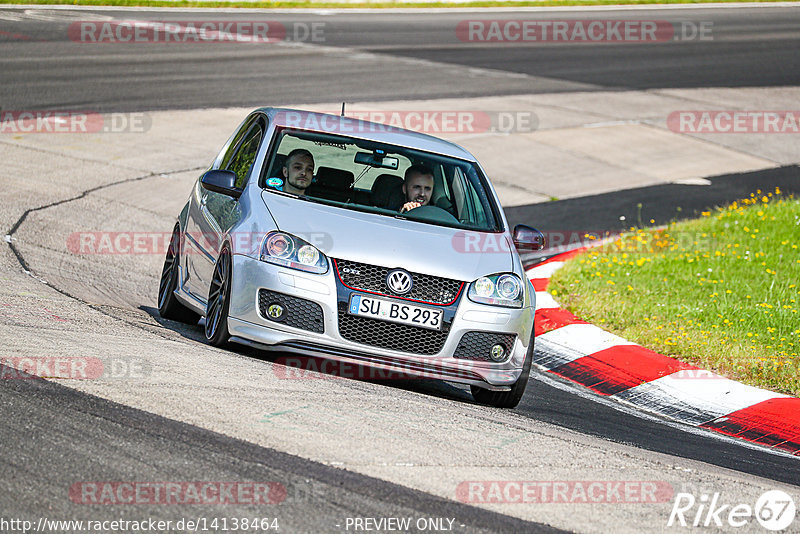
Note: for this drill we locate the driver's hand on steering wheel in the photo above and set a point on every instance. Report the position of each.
(408, 206)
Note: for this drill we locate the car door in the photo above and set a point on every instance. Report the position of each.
(212, 214)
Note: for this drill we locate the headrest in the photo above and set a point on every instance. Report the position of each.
(334, 178)
(387, 191)
(277, 166)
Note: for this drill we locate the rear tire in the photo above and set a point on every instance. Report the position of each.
(169, 307)
(219, 301)
(506, 399)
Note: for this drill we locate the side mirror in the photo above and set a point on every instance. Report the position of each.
(527, 238)
(221, 182)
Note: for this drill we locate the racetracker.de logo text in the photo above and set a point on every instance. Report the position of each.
(203, 492)
(734, 121)
(581, 31)
(564, 491)
(205, 31)
(72, 122)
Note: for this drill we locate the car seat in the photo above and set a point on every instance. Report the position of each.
(332, 184)
(387, 192)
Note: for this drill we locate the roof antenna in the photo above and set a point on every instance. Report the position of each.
(342, 109)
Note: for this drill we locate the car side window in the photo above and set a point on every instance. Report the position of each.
(242, 160)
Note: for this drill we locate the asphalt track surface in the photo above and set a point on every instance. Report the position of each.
(44, 70)
(379, 56)
(121, 440)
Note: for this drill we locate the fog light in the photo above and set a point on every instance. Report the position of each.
(498, 353)
(275, 311)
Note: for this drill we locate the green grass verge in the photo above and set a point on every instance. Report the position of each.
(314, 4)
(720, 292)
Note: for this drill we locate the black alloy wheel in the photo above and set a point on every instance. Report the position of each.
(169, 307)
(219, 301)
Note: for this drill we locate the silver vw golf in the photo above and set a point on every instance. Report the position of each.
(359, 242)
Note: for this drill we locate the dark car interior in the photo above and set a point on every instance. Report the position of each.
(338, 185)
(367, 175)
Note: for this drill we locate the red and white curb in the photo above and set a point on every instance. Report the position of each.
(616, 368)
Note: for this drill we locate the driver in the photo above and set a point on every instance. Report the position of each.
(417, 187)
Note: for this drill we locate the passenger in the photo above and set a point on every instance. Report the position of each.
(417, 187)
(298, 173)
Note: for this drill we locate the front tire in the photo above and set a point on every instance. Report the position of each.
(506, 399)
(169, 307)
(219, 301)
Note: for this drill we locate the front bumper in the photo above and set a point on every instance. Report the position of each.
(247, 326)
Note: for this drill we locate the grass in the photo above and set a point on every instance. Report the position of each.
(378, 4)
(720, 291)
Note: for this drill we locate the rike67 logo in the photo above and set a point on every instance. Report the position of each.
(774, 510)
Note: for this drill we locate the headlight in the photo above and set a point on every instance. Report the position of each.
(279, 245)
(498, 289)
(508, 287)
(484, 287)
(283, 249)
(308, 255)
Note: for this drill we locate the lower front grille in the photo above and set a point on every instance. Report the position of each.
(392, 336)
(298, 313)
(476, 345)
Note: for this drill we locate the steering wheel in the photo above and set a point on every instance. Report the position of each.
(432, 214)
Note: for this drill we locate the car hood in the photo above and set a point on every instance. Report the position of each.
(390, 242)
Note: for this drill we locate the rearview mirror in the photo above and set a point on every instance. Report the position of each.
(376, 160)
(222, 182)
(527, 238)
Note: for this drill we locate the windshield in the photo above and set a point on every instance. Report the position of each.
(378, 178)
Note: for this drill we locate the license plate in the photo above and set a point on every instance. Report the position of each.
(396, 312)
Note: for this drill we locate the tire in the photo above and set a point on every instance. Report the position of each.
(506, 399)
(219, 301)
(169, 307)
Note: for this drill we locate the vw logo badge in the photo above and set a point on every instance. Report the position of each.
(399, 281)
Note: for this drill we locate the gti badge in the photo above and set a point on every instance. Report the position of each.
(399, 281)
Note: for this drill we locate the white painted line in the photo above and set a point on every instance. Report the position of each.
(545, 300)
(692, 181)
(545, 270)
(585, 338)
(568, 343)
(695, 399)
